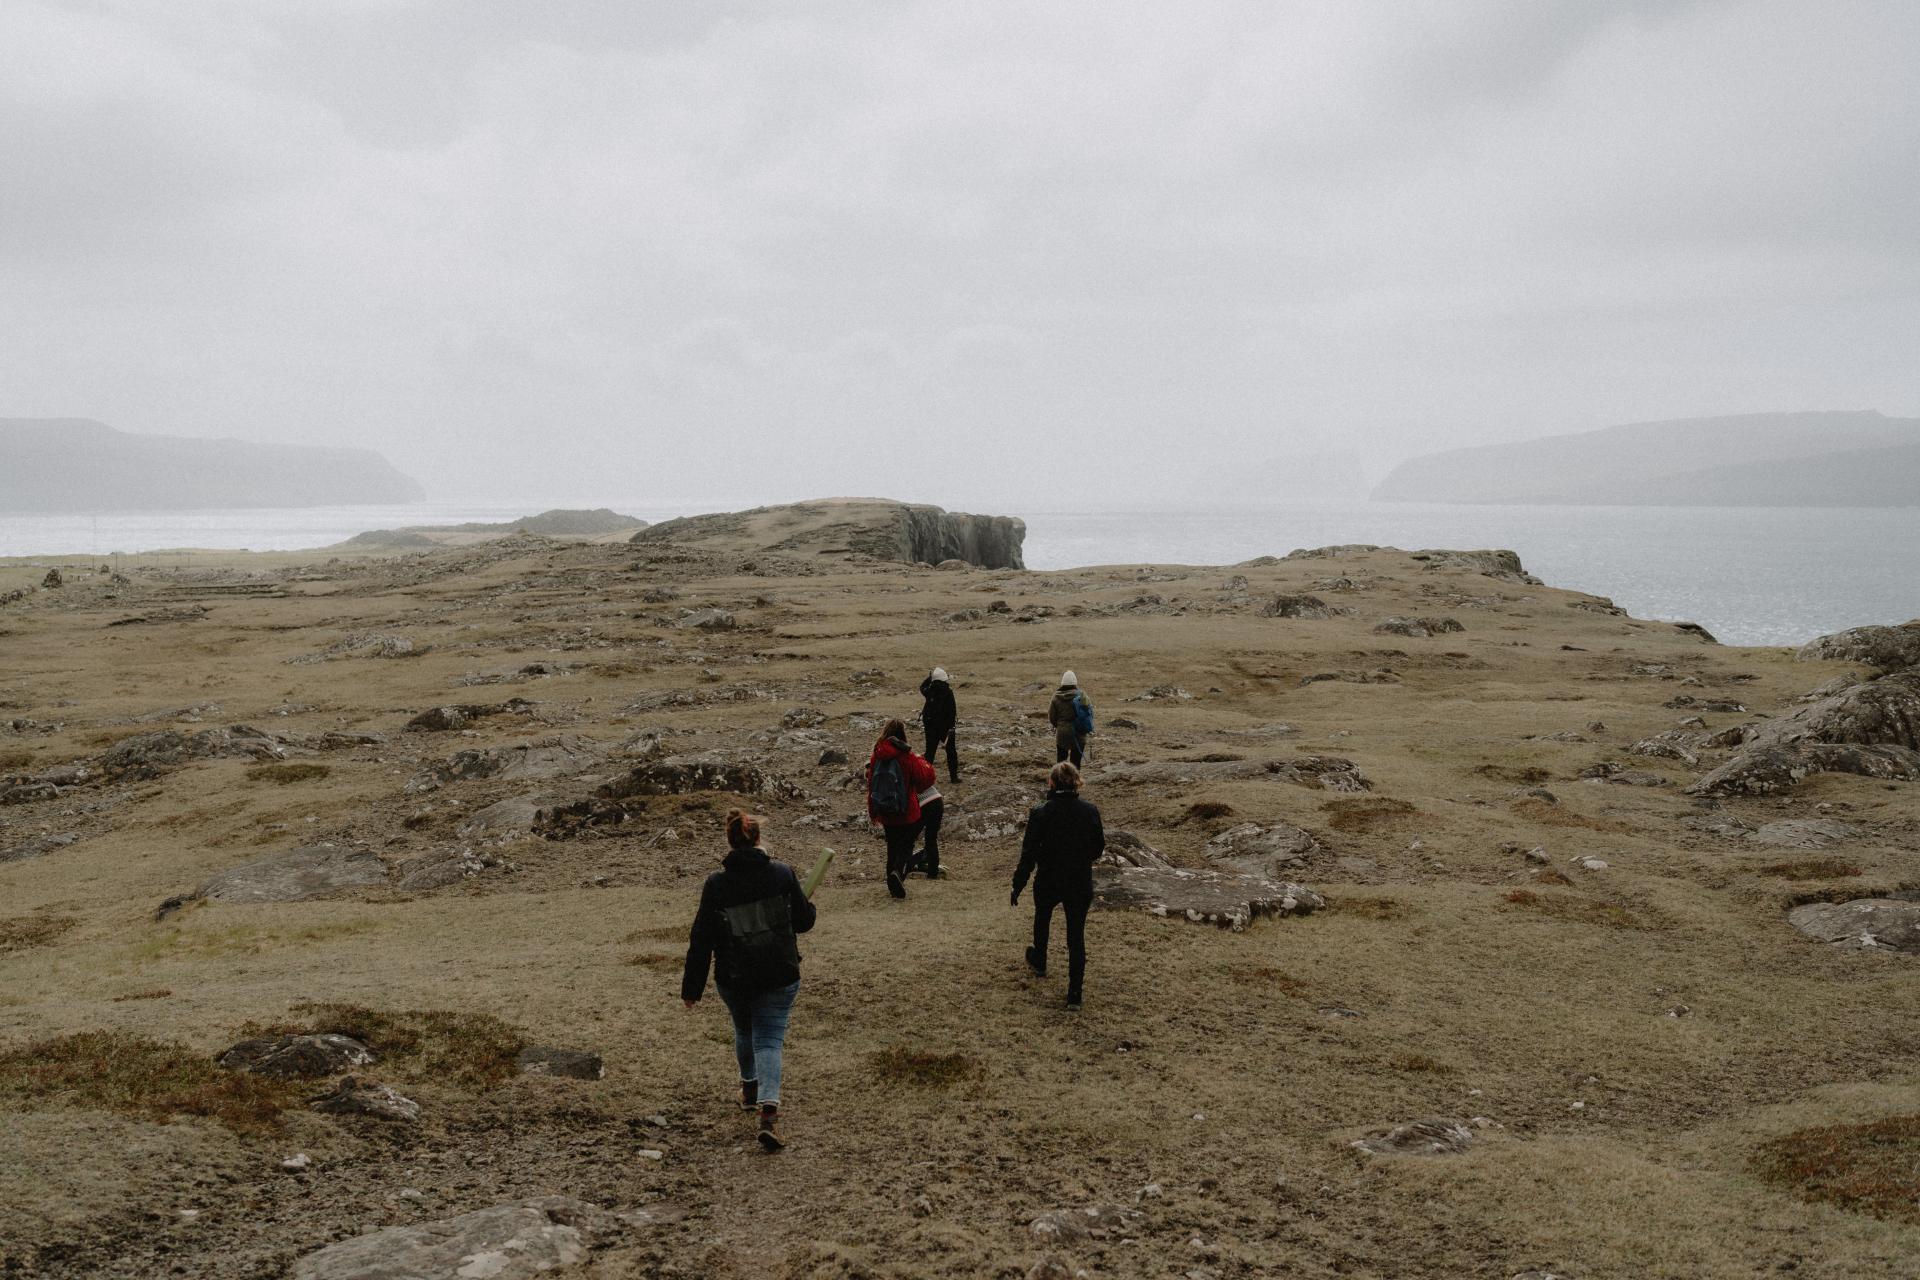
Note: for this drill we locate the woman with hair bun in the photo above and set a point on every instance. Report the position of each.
(751, 912)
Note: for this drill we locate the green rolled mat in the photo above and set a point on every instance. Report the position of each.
(818, 873)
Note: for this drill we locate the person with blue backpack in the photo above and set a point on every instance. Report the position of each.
(1071, 715)
(746, 931)
(895, 779)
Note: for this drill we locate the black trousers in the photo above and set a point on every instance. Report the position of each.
(1076, 908)
(1070, 748)
(932, 812)
(899, 847)
(947, 740)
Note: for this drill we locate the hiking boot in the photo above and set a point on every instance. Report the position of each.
(894, 886)
(1073, 1002)
(1036, 962)
(770, 1128)
(749, 1095)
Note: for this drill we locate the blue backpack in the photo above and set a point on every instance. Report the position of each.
(1082, 715)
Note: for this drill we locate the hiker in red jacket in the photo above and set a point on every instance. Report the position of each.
(895, 779)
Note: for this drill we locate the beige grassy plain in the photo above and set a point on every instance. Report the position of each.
(1206, 1062)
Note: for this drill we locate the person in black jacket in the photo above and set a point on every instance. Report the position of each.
(750, 912)
(1064, 839)
(938, 716)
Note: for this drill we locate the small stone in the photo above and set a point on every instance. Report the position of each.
(297, 1162)
(573, 1063)
(1590, 864)
(922, 1207)
(353, 1097)
(1538, 856)
(651, 1153)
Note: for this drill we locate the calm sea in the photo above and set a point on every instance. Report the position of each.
(1750, 575)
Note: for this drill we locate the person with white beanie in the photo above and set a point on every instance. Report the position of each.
(1071, 715)
(939, 715)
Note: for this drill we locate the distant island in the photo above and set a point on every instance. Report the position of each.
(77, 464)
(1827, 459)
(558, 523)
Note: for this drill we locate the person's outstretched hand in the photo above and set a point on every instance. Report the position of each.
(1016, 898)
(689, 1004)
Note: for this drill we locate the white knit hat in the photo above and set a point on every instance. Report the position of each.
(1069, 679)
(940, 673)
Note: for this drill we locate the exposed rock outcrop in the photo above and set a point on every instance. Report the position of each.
(324, 1054)
(1204, 897)
(886, 530)
(1888, 648)
(1501, 564)
(556, 757)
(1865, 924)
(148, 755)
(1300, 606)
(1269, 851)
(296, 875)
(460, 715)
(1417, 628)
(356, 1097)
(1420, 1138)
(506, 1242)
(1872, 729)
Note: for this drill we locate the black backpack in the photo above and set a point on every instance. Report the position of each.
(888, 790)
(762, 952)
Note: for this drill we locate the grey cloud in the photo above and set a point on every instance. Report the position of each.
(603, 249)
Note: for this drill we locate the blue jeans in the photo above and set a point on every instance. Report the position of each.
(759, 1032)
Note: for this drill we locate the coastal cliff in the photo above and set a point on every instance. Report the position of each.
(885, 530)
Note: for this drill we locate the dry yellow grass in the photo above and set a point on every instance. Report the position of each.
(1665, 995)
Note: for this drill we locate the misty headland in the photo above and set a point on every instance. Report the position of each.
(1689, 537)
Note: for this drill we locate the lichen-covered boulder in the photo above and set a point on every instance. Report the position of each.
(1203, 897)
(296, 875)
(1270, 851)
(460, 715)
(1417, 628)
(1888, 648)
(677, 775)
(1761, 771)
(148, 755)
(1420, 1138)
(504, 1242)
(324, 1054)
(356, 1097)
(1125, 849)
(1300, 606)
(1865, 924)
(560, 756)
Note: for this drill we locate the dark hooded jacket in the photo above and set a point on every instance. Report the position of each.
(939, 714)
(746, 875)
(919, 775)
(1064, 839)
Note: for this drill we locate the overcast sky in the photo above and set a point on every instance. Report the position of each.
(978, 253)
